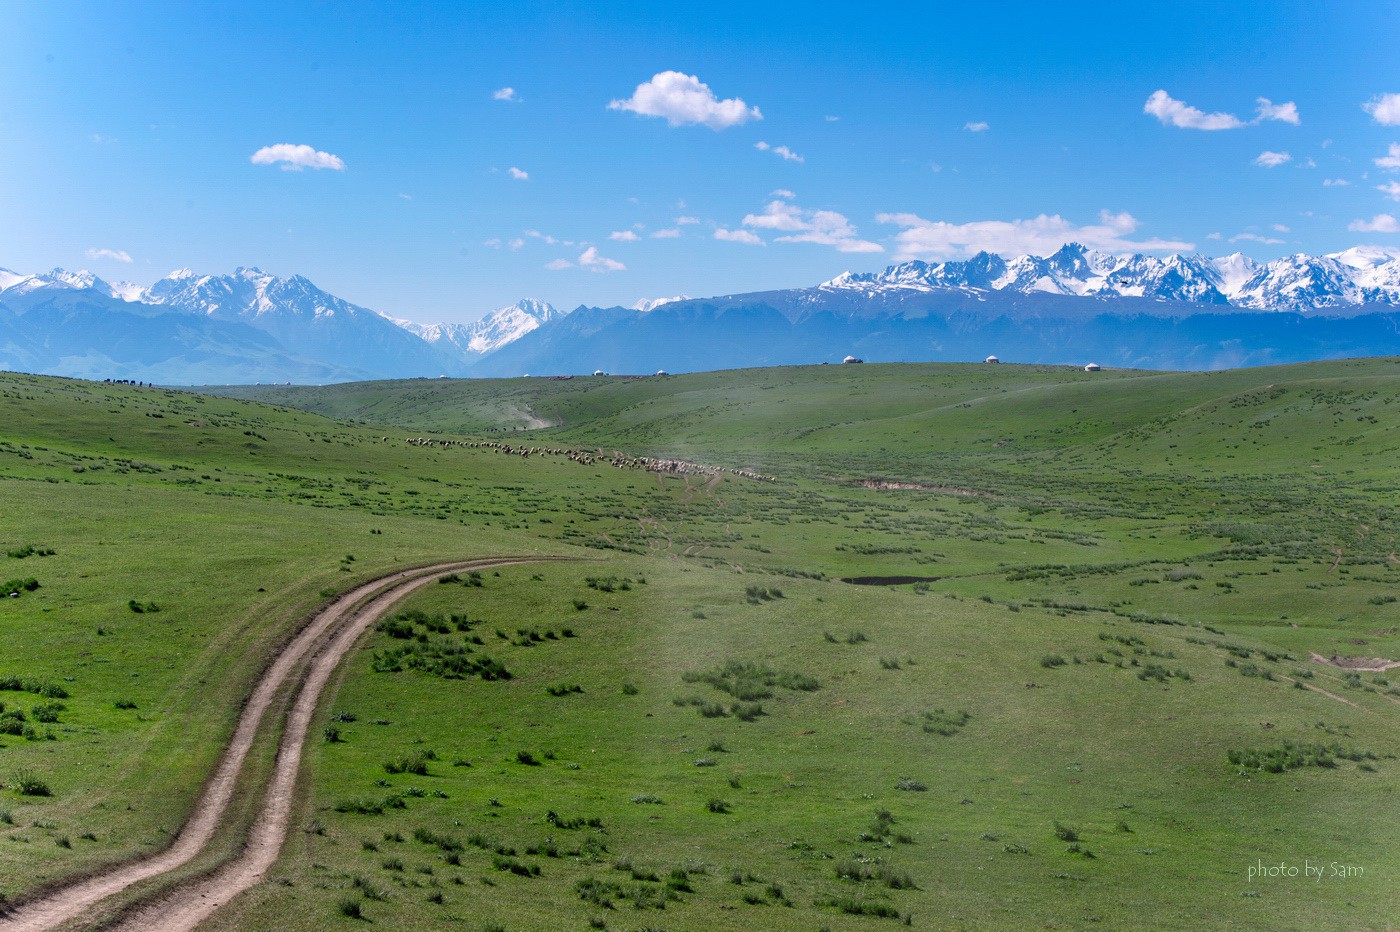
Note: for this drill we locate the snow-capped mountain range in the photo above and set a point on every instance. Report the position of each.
(1360, 275)
(1154, 312)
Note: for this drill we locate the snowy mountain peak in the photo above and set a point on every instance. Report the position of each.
(650, 304)
(9, 279)
(1365, 257)
(496, 329)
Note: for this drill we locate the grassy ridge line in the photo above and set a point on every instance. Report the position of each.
(794, 400)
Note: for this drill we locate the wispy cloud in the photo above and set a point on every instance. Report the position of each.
(684, 100)
(1041, 236)
(623, 236)
(1380, 223)
(1335, 182)
(1384, 109)
(1390, 189)
(294, 158)
(1284, 113)
(823, 227)
(1255, 238)
(519, 175)
(1391, 161)
(686, 221)
(116, 255)
(783, 193)
(591, 260)
(668, 233)
(738, 236)
(1173, 112)
(780, 151)
(507, 94)
(977, 126)
(1267, 159)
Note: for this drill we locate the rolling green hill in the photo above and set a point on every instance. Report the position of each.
(1071, 712)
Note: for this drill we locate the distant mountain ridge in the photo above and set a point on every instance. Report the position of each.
(1077, 304)
(1360, 275)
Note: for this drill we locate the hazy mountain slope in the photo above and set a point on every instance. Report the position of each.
(89, 335)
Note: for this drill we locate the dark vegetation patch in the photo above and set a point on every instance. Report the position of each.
(1292, 755)
(887, 580)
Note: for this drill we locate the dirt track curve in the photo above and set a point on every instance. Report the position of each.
(326, 640)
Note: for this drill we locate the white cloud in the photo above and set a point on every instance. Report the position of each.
(670, 233)
(1268, 110)
(115, 255)
(590, 259)
(1390, 162)
(977, 126)
(1280, 228)
(516, 243)
(405, 197)
(1255, 238)
(1176, 113)
(683, 100)
(1390, 189)
(781, 151)
(1214, 236)
(545, 237)
(1335, 182)
(294, 158)
(517, 174)
(738, 236)
(831, 119)
(557, 264)
(1041, 236)
(1267, 159)
(686, 221)
(507, 94)
(783, 193)
(1384, 109)
(102, 140)
(823, 227)
(1380, 223)
(623, 236)
(494, 242)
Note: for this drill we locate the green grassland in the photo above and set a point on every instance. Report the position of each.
(1181, 542)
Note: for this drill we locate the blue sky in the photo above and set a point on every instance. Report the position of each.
(128, 131)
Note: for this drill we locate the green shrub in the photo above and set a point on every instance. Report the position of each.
(27, 784)
(944, 723)
(414, 762)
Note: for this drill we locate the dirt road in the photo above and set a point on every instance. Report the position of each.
(325, 641)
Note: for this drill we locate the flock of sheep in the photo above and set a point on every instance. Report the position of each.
(619, 460)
